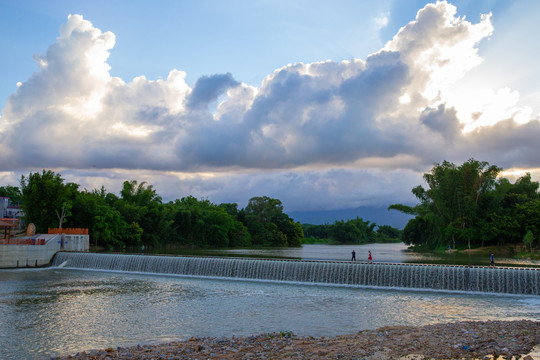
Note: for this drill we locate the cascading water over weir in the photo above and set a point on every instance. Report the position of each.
(410, 276)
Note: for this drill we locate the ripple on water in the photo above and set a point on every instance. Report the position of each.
(47, 313)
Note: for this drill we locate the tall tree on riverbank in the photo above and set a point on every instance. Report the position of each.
(43, 195)
(517, 211)
(468, 205)
(138, 216)
(269, 225)
(140, 206)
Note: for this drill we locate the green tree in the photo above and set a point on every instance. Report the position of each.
(454, 203)
(138, 216)
(468, 205)
(316, 231)
(345, 232)
(263, 209)
(109, 228)
(133, 236)
(528, 215)
(218, 223)
(64, 213)
(367, 230)
(85, 208)
(201, 223)
(386, 233)
(239, 235)
(516, 211)
(139, 203)
(43, 194)
(231, 209)
(528, 240)
(269, 226)
(12, 192)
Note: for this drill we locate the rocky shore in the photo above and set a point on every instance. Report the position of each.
(462, 340)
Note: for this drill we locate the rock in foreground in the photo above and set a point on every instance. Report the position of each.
(463, 340)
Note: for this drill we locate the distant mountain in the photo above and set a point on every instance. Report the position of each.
(378, 215)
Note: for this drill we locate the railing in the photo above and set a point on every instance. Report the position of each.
(9, 227)
(23, 241)
(12, 221)
(68, 231)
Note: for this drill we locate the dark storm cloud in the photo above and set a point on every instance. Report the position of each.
(508, 144)
(442, 120)
(208, 88)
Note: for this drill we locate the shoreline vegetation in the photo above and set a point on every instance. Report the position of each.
(138, 218)
(462, 207)
(461, 340)
(511, 251)
(471, 206)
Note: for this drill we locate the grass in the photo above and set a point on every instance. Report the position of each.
(515, 251)
(535, 255)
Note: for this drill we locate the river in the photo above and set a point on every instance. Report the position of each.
(50, 312)
(386, 253)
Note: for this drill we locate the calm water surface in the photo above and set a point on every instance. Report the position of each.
(387, 253)
(48, 312)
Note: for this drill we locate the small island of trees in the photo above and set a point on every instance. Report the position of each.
(469, 206)
(353, 231)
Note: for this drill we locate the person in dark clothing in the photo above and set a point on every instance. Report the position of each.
(491, 260)
(353, 256)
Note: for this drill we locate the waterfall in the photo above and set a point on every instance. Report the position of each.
(502, 280)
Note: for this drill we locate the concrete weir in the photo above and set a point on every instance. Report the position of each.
(501, 280)
(38, 250)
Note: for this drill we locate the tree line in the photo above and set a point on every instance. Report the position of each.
(353, 231)
(470, 206)
(138, 216)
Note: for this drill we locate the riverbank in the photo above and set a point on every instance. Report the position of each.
(519, 252)
(462, 340)
(506, 255)
(516, 251)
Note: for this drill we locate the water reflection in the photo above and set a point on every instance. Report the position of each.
(387, 253)
(61, 311)
(390, 253)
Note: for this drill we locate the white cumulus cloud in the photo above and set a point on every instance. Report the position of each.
(318, 132)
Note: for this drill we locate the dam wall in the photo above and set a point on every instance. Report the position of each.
(502, 280)
(38, 250)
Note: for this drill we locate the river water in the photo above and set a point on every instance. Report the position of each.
(386, 253)
(50, 312)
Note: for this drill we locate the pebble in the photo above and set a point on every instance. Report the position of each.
(462, 340)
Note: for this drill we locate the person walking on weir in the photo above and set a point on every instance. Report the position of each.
(369, 258)
(491, 260)
(353, 256)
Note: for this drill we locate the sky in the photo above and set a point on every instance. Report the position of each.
(323, 105)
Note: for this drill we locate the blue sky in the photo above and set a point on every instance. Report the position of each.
(324, 105)
(247, 39)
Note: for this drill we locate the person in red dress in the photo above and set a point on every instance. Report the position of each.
(369, 259)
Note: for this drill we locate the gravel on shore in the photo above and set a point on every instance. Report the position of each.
(461, 340)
